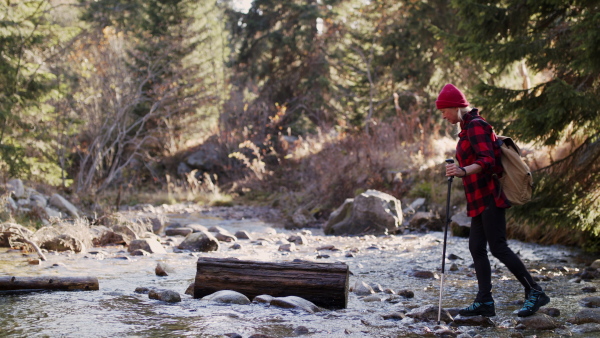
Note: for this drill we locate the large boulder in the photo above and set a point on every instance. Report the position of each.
(62, 204)
(424, 221)
(200, 241)
(15, 186)
(207, 158)
(372, 212)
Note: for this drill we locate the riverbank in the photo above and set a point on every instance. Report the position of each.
(406, 262)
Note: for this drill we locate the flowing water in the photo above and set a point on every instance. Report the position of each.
(117, 311)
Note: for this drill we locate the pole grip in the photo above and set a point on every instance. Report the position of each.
(450, 161)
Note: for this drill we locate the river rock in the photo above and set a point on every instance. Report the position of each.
(394, 316)
(233, 335)
(225, 237)
(178, 231)
(242, 234)
(11, 204)
(197, 227)
(140, 252)
(146, 244)
(287, 247)
(538, 321)
(142, 289)
(199, 241)
(445, 332)
(429, 313)
(227, 297)
(63, 242)
(592, 302)
(362, 289)
(62, 204)
(586, 316)
(588, 274)
(216, 228)
(372, 212)
(422, 274)
(109, 236)
(126, 231)
(190, 289)
(425, 221)
(550, 311)
(595, 264)
(206, 158)
(15, 186)
(159, 270)
(293, 302)
(460, 225)
(301, 217)
(406, 293)
(38, 199)
(168, 296)
(159, 223)
(371, 299)
(53, 213)
(376, 287)
(473, 321)
(298, 239)
(264, 299)
(301, 330)
(586, 328)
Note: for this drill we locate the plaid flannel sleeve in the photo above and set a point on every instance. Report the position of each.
(479, 134)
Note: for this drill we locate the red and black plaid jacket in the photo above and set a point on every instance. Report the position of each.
(476, 145)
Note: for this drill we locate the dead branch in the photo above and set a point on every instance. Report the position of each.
(15, 231)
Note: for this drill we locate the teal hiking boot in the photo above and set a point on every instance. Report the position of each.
(486, 309)
(534, 302)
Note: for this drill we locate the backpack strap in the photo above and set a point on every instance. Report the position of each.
(509, 143)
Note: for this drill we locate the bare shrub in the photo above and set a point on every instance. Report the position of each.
(320, 171)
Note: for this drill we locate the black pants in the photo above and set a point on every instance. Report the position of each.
(489, 227)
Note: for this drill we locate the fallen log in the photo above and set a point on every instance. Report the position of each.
(324, 284)
(12, 283)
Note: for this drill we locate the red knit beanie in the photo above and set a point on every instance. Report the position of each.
(451, 97)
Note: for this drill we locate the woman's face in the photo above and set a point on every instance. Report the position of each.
(450, 115)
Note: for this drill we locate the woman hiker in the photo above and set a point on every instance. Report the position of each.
(478, 158)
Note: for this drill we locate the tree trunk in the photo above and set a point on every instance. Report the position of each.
(324, 284)
(12, 283)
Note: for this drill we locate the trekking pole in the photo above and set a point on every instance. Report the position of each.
(449, 161)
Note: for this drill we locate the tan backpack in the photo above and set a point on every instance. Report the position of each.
(517, 181)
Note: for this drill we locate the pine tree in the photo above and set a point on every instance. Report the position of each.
(560, 39)
(279, 56)
(30, 39)
(382, 47)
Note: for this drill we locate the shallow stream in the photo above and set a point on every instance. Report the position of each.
(117, 311)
